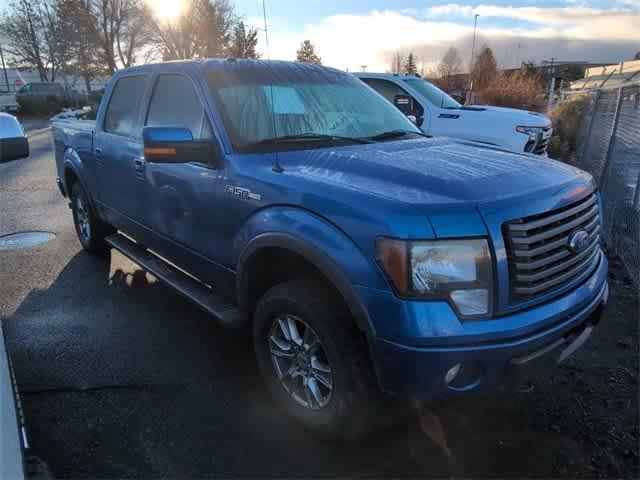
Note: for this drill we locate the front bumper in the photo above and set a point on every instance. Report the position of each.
(419, 370)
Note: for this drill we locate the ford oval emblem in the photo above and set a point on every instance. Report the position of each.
(578, 241)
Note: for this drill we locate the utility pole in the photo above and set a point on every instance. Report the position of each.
(4, 69)
(552, 83)
(266, 30)
(473, 54)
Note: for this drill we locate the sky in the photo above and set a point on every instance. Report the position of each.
(348, 34)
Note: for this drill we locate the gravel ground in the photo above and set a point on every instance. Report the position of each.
(120, 377)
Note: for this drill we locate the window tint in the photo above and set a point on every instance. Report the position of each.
(389, 90)
(174, 102)
(124, 106)
(385, 88)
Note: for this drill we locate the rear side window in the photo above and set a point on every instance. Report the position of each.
(124, 105)
(385, 88)
(175, 102)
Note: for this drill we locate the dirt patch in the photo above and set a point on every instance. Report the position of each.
(576, 420)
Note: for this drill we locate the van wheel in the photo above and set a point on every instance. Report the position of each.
(90, 229)
(314, 360)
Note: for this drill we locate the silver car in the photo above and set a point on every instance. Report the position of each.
(13, 142)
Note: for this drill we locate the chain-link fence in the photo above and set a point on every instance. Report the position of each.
(608, 147)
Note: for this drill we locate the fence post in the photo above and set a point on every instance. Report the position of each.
(636, 195)
(610, 141)
(585, 141)
(604, 178)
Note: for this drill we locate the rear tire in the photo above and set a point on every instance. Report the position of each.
(336, 394)
(90, 229)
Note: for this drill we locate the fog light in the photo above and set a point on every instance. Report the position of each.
(451, 374)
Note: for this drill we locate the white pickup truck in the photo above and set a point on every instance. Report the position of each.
(436, 113)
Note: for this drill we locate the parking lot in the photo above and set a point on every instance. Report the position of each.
(121, 377)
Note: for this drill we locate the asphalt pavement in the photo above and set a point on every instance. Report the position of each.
(121, 377)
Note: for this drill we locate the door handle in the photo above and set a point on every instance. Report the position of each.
(98, 151)
(138, 166)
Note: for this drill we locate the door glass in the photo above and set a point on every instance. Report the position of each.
(124, 105)
(389, 90)
(175, 102)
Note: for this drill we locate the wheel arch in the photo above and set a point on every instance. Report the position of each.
(266, 244)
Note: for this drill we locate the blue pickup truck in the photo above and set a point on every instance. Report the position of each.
(367, 259)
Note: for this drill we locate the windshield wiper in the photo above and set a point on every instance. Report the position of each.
(396, 134)
(311, 137)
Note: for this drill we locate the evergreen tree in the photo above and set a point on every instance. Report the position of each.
(410, 64)
(244, 41)
(307, 53)
(485, 68)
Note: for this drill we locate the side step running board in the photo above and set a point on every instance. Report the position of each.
(228, 314)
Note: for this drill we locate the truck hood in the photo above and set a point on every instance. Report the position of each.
(511, 115)
(430, 172)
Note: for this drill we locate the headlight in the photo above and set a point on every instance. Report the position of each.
(457, 271)
(533, 132)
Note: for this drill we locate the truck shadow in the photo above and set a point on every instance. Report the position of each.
(120, 376)
(112, 366)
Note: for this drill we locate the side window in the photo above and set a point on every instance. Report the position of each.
(175, 102)
(124, 106)
(385, 88)
(389, 90)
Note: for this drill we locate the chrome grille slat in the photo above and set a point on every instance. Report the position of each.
(534, 277)
(538, 247)
(559, 279)
(525, 226)
(557, 230)
(547, 247)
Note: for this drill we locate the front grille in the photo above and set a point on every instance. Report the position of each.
(540, 144)
(538, 250)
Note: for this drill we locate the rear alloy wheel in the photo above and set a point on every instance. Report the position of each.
(90, 229)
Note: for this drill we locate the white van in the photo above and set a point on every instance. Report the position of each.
(436, 113)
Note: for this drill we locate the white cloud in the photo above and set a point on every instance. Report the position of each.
(349, 41)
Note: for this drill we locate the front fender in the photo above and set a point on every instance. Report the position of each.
(318, 241)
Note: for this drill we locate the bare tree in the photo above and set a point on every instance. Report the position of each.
(203, 30)
(244, 42)
(397, 62)
(123, 27)
(448, 69)
(80, 34)
(307, 53)
(32, 36)
(450, 64)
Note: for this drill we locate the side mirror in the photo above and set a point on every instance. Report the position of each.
(13, 148)
(404, 103)
(175, 145)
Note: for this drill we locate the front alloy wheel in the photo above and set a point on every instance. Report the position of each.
(300, 362)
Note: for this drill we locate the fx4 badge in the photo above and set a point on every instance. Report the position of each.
(242, 193)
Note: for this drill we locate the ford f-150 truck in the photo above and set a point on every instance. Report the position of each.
(436, 113)
(369, 260)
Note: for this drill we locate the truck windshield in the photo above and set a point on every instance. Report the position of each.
(432, 93)
(285, 107)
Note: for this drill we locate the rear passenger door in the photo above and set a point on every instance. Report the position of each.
(119, 155)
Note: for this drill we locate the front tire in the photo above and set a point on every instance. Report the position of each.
(314, 360)
(90, 229)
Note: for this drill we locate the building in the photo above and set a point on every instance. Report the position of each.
(11, 79)
(606, 76)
